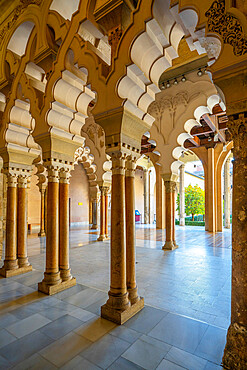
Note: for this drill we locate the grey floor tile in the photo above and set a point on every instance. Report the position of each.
(123, 364)
(28, 325)
(7, 319)
(146, 319)
(211, 366)
(212, 344)
(79, 363)
(70, 292)
(29, 345)
(126, 334)
(62, 326)
(6, 338)
(95, 328)
(35, 362)
(105, 351)
(167, 365)
(53, 313)
(145, 354)
(63, 350)
(4, 364)
(180, 332)
(185, 359)
(82, 315)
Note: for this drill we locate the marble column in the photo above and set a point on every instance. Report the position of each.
(174, 194)
(52, 273)
(130, 230)
(10, 261)
(146, 195)
(90, 215)
(210, 190)
(235, 354)
(95, 213)
(106, 213)
(42, 190)
(64, 267)
(22, 223)
(227, 193)
(118, 308)
(102, 236)
(159, 199)
(181, 196)
(170, 187)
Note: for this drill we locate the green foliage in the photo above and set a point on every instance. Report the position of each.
(194, 201)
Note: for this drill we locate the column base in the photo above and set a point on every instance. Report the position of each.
(42, 234)
(65, 274)
(235, 353)
(9, 273)
(102, 238)
(133, 295)
(53, 289)
(170, 246)
(23, 262)
(118, 316)
(181, 223)
(94, 227)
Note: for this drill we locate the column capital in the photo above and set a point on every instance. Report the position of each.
(53, 173)
(118, 163)
(237, 125)
(12, 180)
(64, 176)
(23, 181)
(182, 166)
(130, 166)
(104, 189)
(170, 186)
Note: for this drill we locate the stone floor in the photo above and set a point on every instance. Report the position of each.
(183, 324)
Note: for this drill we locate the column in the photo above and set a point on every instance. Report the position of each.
(95, 213)
(102, 214)
(181, 196)
(10, 262)
(42, 190)
(146, 195)
(118, 308)
(173, 216)
(227, 193)
(22, 224)
(235, 354)
(64, 267)
(130, 230)
(52, 274)
(106, 213)
(160, 217)
(210, 190)
(170, 220)
(90, 216)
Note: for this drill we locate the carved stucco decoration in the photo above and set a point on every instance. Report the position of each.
(169, 105)
(95, 133)
(227, 26)
(16, 13)
(237, 126)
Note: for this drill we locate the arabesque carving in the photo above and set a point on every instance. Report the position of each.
(16, 13)
(227, 26)
(238, 128)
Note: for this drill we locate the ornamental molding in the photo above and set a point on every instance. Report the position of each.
(227, 26)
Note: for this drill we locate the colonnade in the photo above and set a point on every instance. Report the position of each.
(104, 190)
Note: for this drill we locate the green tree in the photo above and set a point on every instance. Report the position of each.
(194, 201)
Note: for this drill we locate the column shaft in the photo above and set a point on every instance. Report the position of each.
(106, 215)
(22, 223)
(42, 213)
(211, 191)
(170, 215)
(227, 194)
(102, 214)
(52, 274)
(130, 231)
(64, 229)
(146, 197)
(95, 214)
(10, 262)
(181, 197)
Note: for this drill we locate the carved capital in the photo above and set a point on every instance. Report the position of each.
(237, 126)
(64, 176)
(227, 26)
(53, 174)
(130, 166)
(118, 163)
(104, 190)
(23, 181)
(170, 186)
(12, 180)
